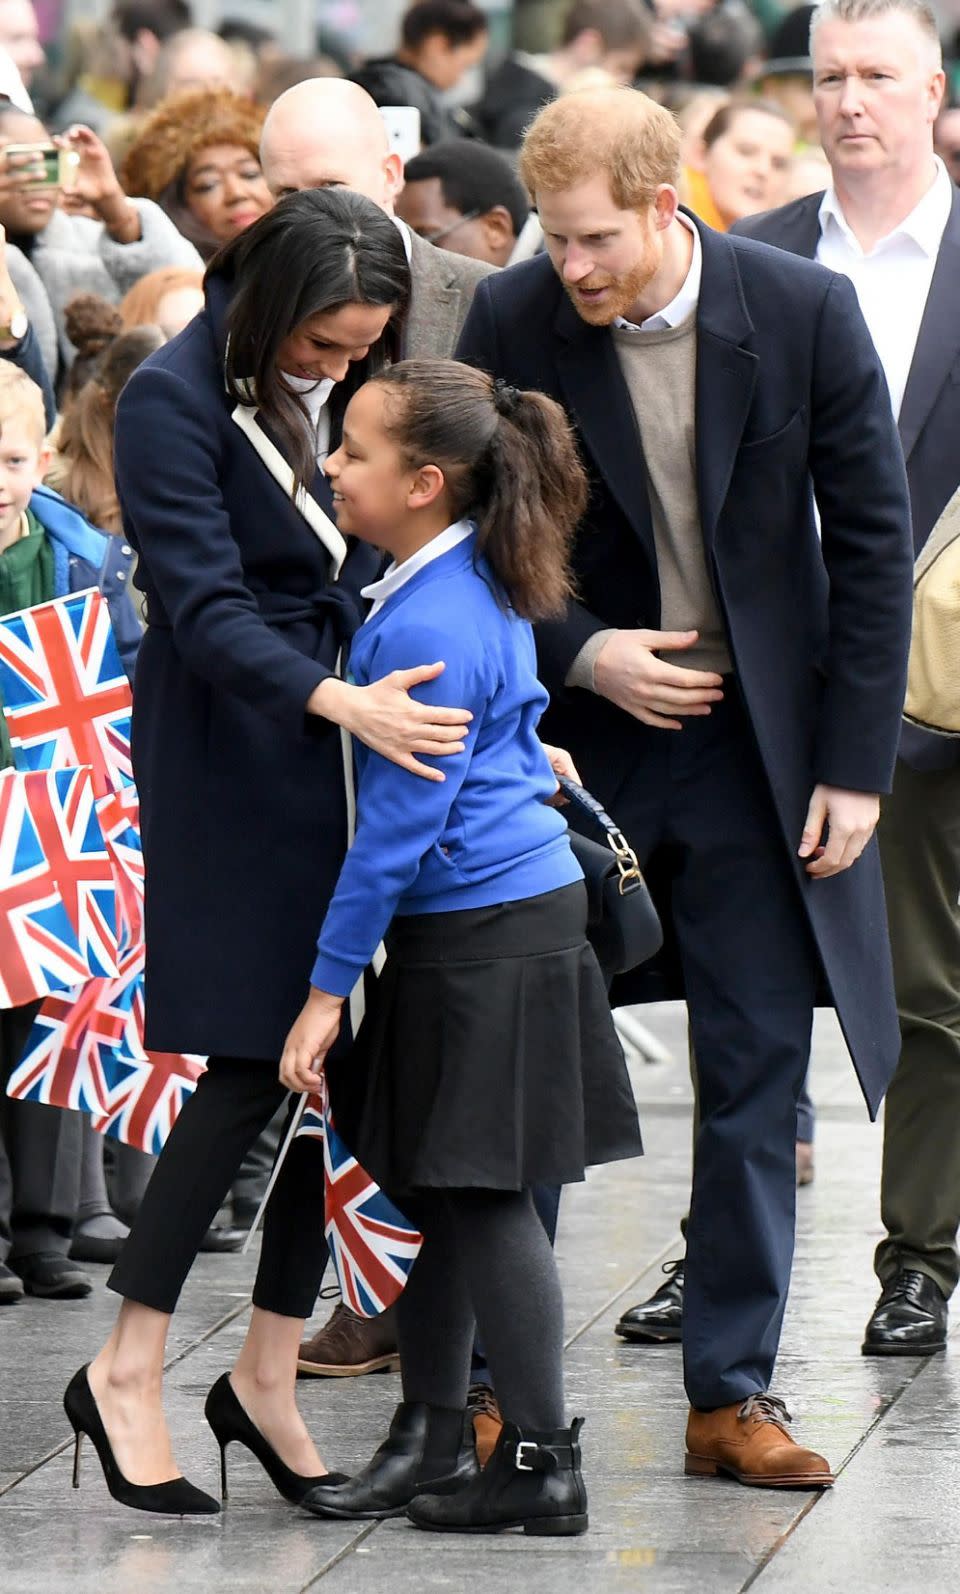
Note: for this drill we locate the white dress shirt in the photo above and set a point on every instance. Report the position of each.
(396, 576)
(893, 280)
(685, 302)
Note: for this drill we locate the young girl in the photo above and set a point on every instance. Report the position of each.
(488, 1060)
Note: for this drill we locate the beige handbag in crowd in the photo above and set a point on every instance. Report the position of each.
(933, 678)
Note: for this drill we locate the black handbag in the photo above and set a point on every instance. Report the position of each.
(623, 926)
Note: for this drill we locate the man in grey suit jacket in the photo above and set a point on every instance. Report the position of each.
(891, 221)
(329, 133)
(325, 133)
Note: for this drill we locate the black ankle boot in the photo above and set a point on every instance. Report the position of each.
(428, 1449)
(532, 1481)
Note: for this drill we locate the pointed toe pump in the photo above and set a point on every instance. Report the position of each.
(176, 1497)
(231, 1424)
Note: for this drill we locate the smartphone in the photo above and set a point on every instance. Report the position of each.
(403, 129)
(59, 165)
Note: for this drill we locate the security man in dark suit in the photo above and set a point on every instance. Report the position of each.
(891, 221)
(710, 379)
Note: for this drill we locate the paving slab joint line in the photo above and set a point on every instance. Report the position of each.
(181, 1355)
(815, 1499)
(341, 1555)
(630, 1285)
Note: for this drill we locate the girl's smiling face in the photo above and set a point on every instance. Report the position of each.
(375, 487)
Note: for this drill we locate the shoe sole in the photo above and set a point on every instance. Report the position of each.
(377, 1364)
(932, 1349)
(10, 1297)
(706, 1467)
(646, 1337)
(63, 1292)
(534, 1527)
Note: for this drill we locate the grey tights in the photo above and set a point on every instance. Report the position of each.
(486, 1263)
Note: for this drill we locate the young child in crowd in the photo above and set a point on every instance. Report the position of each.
(47, 549)
(488, 1060)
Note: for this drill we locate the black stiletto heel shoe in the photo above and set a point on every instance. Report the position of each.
(230, 1423)
(177, 1497)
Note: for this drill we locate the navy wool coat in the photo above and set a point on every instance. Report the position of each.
(789, 392)
(243, 794)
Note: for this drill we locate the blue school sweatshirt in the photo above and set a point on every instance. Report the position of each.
(483, 836)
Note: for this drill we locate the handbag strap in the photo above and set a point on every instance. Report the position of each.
(628, 864)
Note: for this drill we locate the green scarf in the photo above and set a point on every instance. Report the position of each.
(26, 578)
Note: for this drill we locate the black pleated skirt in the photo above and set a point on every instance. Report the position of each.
(488, 1057)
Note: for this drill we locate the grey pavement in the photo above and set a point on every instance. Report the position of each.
(891, 1525)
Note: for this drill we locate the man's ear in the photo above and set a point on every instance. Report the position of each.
(393, 176)
(497, 225)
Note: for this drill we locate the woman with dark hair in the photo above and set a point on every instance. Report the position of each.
(197, 156)
(251, 594)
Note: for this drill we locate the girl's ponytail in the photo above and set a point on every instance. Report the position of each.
(510, 460)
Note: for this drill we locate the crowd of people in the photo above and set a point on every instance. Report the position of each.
(635, 348)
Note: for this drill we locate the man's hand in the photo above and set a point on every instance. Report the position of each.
(628, 673)
(96, 185)
(851, 817)
(309, 1041)
(9, 298)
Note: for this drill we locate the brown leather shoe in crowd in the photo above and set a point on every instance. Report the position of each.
(805, 1168)
(487, 1421)
(752, 1443)
(349, 1345)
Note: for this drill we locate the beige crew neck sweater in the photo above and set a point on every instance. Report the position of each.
(660, 370)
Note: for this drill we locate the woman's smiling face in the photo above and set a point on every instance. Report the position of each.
(327, 343)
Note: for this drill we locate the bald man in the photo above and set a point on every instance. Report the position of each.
(327, 133)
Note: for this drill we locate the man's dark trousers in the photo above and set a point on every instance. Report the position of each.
(40, 1152)
(920, 1189)
(750, 971)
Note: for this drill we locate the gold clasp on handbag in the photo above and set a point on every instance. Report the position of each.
(627, 862)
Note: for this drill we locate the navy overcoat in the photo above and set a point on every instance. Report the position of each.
(789, 393)
(243, 795)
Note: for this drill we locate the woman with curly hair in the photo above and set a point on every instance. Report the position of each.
(197, 156)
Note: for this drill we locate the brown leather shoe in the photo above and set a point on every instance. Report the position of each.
(805, 1168)
(487, 1420)
(349, 1345)
(750, 1442)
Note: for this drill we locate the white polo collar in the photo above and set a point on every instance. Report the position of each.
(397, 576)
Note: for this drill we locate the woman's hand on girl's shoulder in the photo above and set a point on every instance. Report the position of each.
(310, 1040)
(387, 719)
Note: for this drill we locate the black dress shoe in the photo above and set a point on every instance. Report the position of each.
(532, 1481)
(658, 1321)
(429, 1450)
(53, 1277)
(223, 1239)
(11, 1287)
(910, 1318)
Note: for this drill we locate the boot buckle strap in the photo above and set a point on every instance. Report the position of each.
(518, 1460)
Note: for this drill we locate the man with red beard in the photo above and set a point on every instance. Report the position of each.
(728, 682)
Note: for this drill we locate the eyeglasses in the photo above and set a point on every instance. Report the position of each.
(438, 237)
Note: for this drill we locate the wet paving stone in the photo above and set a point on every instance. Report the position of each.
(891, 1525)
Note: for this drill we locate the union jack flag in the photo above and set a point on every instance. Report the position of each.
(372, 1245)
(86, 1051)
(72, 1057)
(119, 815)
(58, 908)
(65, 695)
